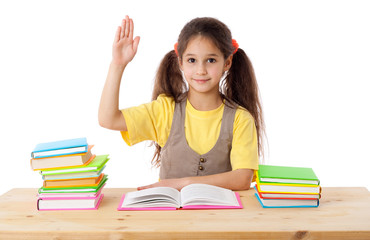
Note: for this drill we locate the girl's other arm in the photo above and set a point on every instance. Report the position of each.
(124, 50)
(236, 180)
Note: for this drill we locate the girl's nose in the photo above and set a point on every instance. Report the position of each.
(201, 70)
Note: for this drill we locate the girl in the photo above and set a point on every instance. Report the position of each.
(205, 117)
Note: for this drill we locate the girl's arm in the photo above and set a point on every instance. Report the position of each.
(124, 50)
(236, 180)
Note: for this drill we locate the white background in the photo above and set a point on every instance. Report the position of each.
(312, 62)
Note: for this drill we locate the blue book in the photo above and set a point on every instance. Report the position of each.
(286, 203)
(60, 148)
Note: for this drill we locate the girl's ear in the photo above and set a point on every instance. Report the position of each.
(180, 63)
(228, 63)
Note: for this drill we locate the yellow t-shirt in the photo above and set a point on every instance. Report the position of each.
(152, 121)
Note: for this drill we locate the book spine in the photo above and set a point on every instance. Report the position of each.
(64, 209)
(68, 198)
(52, 154)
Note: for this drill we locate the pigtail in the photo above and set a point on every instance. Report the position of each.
(240, 86)
(168, 81)
(169, 78)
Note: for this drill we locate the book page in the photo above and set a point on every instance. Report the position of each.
(204, 194)
(152, 197)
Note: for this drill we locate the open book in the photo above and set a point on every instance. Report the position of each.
(193, 196)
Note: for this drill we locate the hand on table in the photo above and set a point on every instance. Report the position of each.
(177, 183)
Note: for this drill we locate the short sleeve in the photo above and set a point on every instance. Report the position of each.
(150, 121)
(244, 152)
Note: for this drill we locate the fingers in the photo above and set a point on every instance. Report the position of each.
(131, 33)
(145, 187)
(127, 28)
(117, 36)
(123, 27)
(136, 43)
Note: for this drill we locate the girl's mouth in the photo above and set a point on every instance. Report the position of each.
(201, 80)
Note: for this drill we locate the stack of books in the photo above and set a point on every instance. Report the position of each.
(286, 187)
(73, 177)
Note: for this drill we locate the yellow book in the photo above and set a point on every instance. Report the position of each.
(294, 188)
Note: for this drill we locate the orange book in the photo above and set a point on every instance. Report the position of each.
(79, 159)
(82, 182)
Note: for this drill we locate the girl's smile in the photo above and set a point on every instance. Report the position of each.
(201, 81)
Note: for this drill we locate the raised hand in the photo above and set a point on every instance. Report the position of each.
(124, 46)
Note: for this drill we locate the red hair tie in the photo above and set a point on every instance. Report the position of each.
(235, 45)
(175, 47)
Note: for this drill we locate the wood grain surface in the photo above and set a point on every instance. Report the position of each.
(344, 213)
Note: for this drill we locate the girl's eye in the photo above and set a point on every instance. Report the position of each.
(191, 60)
(211, 60)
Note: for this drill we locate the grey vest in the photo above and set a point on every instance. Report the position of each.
(179, 160)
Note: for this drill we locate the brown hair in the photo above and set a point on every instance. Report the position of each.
(239, 85)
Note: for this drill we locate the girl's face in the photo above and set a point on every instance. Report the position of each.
(203, 65)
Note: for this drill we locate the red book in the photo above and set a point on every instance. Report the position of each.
(272, 195)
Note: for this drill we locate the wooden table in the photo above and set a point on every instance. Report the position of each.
(344, 213)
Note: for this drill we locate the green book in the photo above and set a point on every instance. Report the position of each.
(75, 189)
(77, 175)
(95, 166)
(284, 174)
